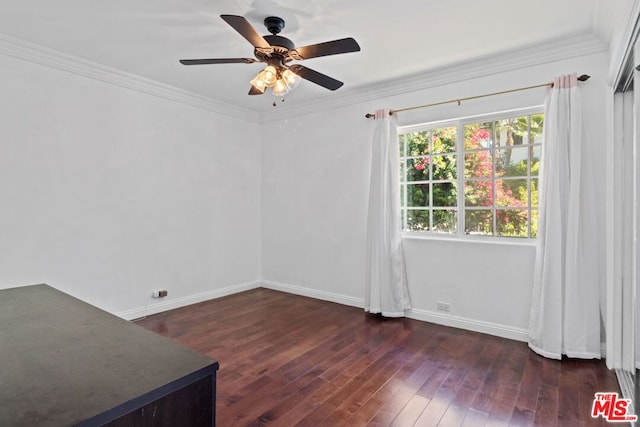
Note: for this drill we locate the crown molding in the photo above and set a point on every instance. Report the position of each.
(550, 51)
(546, 52)
(55, 59)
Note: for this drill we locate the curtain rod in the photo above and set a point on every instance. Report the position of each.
(582, 78)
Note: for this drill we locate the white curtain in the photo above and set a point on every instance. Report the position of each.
(619, 313)
(565, 308)
(386, 290)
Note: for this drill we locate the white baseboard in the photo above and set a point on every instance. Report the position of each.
(158, 307)
(510, 332)
(495, 329)
(314, 293)
(504, 331)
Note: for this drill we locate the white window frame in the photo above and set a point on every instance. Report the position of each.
(460, 123)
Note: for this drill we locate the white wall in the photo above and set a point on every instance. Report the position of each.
(109, 194)
(314, 191)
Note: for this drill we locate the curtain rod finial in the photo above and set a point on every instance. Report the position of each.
(373, 116)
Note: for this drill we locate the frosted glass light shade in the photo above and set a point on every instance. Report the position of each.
(281, 80)
(292, 79)
(258, 83)
(269, 75)
(280, 88)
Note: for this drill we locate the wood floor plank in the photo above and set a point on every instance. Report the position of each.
(530, 382)
(547, 407)
(457, 410)
(287, 360)
(355, 386)
(355, 401)
(525, 417)
(409, 378)
(433, 412)
(411, 412)
(475, 418)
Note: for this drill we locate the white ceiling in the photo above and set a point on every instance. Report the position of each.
(398, 38)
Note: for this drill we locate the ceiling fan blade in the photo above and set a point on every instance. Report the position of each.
(333, 47)
(255, 91)
(246, 30)
(316, 77)
(217, 61)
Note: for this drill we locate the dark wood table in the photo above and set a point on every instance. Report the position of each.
(64, 362)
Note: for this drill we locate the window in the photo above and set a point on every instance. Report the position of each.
(476, 177)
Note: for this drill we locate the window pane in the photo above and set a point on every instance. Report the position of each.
(478, 193)
(512, 223)
(417, 143)
(418, 169)
(512, 192)
(534, 193)
(445, 194)
(534, 154)
(445, 221)
(478, 164)
(512, 161)
(512, 132)
(478, 222)
(445, 139)
(417, 220)
(536, 127)
(499, 180)
(534, 223)
(444, 167)
(478, 135)
(418, 195)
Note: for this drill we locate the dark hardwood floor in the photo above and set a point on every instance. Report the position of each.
(287, 360)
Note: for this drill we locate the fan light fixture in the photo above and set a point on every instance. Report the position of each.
(280, 79)
(277, 52)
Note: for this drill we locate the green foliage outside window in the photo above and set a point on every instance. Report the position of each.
(500, 161)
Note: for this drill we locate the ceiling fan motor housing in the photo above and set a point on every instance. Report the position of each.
(274, 24)
(280, 47)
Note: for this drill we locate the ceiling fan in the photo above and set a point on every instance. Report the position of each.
(277, 52)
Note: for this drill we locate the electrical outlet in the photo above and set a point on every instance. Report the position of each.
(160, 294)
(443, 306)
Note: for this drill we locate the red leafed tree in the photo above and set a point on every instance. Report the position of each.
(484, 188)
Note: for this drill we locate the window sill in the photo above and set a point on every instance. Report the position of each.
(504, 241)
